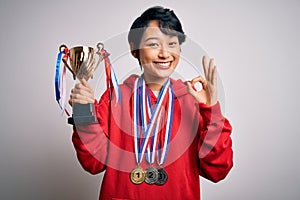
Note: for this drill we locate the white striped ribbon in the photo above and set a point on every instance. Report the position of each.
(154, 124)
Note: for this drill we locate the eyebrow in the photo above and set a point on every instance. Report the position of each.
(151, 38)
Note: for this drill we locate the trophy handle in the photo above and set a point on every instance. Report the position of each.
(62, 48)
(100, 46)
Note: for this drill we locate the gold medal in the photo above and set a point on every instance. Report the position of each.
(137, 175)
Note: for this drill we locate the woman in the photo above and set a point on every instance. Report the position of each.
(165, 133)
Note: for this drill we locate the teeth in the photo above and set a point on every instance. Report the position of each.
(165, 64)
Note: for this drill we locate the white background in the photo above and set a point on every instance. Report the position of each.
(255, 44)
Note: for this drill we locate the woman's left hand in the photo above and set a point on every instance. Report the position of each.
(208, 94)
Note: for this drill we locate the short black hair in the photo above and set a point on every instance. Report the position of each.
(168, 23)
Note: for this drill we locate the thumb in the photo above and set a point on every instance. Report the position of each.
(85, 83)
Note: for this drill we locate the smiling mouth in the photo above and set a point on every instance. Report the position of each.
(163, 65)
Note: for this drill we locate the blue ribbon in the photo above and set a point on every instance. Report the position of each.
(146, 128)
(159, 151)
(170, 125)
(57, 77)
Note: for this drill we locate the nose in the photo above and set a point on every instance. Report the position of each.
(163, 53)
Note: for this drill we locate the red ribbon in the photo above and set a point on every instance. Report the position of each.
(109, 84)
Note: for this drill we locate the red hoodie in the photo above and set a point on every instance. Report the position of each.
(200, 145)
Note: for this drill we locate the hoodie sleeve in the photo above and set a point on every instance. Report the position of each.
(91, 141)
(215, 145)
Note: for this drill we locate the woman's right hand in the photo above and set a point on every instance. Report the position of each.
(82, 93)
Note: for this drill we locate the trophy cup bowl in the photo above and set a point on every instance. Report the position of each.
(83, 61)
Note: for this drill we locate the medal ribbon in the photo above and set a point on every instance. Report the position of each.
(162, 157)
(154, 119)
(60, 89)
(146, 114)
(162, 154)
(150, 154)
(111, 79)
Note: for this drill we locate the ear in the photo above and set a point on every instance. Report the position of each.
(133, 50)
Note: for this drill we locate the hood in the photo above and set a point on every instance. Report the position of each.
(180, 87)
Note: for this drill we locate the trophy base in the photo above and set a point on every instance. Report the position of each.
(84, 120)
(83, 114)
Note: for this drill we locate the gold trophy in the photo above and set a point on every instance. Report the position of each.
(83, 61)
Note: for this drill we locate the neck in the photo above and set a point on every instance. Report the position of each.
(155, 84)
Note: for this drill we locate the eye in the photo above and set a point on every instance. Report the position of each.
(153, 44)
(173, 44)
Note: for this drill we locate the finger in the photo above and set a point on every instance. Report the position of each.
(87, 85)
(83, 95)
(200, 79)
(210, 69)
(80, 101)
(214, 75)
(191, 89)
(81, 91)
(77, 85)
(204, 65)
(84, 82)
(77, 99)
(80, 86)
(82, 98)
(70, 100)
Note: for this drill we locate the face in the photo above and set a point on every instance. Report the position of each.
(158, 53)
